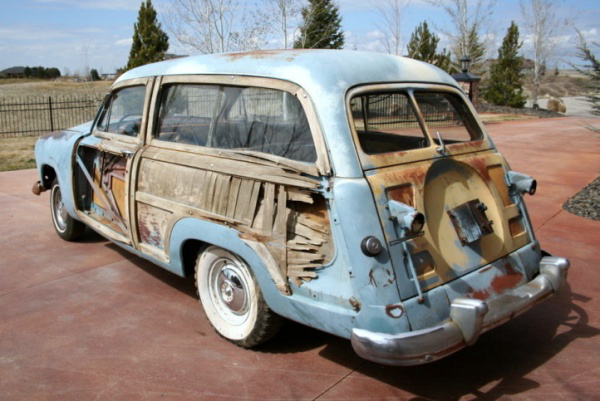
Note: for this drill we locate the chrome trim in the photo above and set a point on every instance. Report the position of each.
(468, 319)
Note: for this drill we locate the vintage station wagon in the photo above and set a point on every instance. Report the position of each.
(356, 193)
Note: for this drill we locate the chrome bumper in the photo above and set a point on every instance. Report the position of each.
(468, 319)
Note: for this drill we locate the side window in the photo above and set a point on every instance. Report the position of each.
(386, 122)
(242, 118)
(123, 112)
(186, 113)
(447, 114)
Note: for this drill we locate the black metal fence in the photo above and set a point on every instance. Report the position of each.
(35, 116)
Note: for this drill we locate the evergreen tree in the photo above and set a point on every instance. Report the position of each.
(321, 27)
(94, 74)
(591, 69)
(423, 46)
(505, 86)
(150, 42)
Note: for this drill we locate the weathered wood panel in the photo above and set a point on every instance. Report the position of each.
(291, 221)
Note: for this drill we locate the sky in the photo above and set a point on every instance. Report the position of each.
(75, 35)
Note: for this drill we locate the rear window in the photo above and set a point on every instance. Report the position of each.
(448, 115)
(386, 122)
(389, 122)
(241, 118)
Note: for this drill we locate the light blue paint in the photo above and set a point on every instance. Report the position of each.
(354, 290)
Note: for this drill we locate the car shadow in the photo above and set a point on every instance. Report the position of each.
(184, 285)
(496, 366)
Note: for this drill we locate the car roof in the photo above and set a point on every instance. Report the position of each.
(339, 69)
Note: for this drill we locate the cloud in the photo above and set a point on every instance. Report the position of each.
(124, 42)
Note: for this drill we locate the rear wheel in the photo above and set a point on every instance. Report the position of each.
(232, 299)
(66, 227)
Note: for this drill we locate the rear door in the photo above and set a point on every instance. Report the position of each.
(423, 147)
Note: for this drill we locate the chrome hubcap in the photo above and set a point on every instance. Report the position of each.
(60, 212)
(230, 289)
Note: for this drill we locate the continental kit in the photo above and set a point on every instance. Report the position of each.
(356, 193)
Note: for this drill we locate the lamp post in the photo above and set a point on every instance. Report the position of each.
(468, 81)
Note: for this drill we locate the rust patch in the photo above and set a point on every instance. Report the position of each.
(150, 235)
(404, 194)
(466, 146)
(416, 176)
(355, 304)
(394, 311)
(260, 55)
(507, 281)
(481, 295)
(480, 164)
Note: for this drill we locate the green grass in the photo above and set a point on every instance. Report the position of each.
(17, 153)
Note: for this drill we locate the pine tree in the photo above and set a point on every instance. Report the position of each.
(423, 46)
(505, 86)
(150, 42)
(321, 27)
(591, 70)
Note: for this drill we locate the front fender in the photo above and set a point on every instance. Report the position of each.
(55, 151)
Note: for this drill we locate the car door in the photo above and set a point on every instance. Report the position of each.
(105, 159)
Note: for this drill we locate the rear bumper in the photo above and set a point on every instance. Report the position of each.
(468, 319)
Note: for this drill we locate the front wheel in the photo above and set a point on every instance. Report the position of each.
(232, 299)
(66, 227)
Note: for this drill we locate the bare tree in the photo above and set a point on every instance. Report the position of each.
(283, 16)
(392, 15)
(215, 26)
(542, 25)
(468, 18)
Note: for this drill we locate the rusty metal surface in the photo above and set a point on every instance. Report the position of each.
(88, 320)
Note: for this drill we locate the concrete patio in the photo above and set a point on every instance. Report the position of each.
(82, 321)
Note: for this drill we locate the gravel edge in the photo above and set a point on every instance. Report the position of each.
(586, 203)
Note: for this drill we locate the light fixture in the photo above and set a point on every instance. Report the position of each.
(519, 184)
(410, 220)
(465, 62)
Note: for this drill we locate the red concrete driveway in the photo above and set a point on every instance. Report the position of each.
(82, 321)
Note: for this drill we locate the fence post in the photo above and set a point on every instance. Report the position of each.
(50, 111)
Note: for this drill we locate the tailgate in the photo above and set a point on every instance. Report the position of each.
(470, 219)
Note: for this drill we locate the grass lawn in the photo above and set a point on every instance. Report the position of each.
(17, 153)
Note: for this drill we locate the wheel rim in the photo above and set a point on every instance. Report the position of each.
(60, 212)
(227, 286)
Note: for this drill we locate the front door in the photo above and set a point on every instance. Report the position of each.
(105, 159)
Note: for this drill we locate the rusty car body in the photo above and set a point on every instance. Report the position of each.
(356, 193)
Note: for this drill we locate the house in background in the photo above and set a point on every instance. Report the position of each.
(13, 72)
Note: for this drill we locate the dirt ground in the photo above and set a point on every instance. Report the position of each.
(88, 320)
